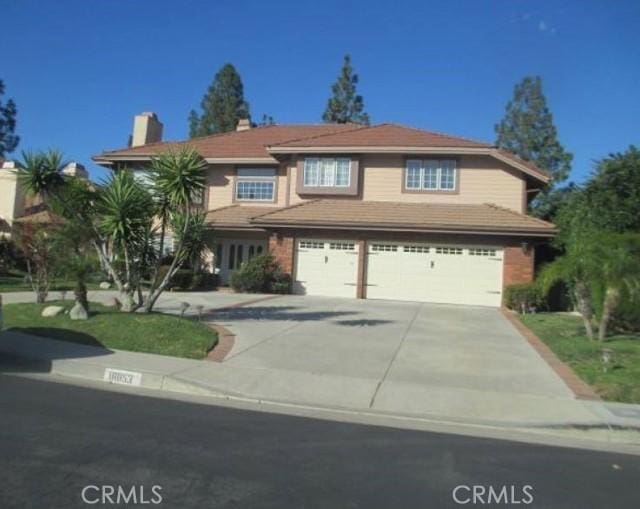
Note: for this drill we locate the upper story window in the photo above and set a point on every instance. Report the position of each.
(256, 184)
(327, 172)
(431, 175)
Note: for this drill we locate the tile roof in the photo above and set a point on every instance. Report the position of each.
(237, 216)
(249, 143)
(384, 135)
(259, 142)
(395, 215)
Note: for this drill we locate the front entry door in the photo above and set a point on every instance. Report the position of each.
(234, 253)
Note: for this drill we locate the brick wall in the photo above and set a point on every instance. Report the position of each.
(282, 249)
(518, 265)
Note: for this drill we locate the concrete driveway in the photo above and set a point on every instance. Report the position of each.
(394, 356)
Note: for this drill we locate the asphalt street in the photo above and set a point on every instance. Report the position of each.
(58, 439)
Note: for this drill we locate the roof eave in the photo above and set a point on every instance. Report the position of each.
(471, 230)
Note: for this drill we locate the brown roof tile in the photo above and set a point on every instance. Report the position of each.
(249, 143)
(395, 215)
(384, 135)
(237, 216)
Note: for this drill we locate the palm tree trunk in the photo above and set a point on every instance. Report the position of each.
(611, 300)
(583, 299)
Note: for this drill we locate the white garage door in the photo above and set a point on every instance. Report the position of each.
(450, 274)
(326, 267)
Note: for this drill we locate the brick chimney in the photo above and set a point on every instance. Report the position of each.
(244, 124)
(146, 129)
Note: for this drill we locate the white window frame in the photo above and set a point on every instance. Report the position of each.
(324, 167)
(256, 176)
(430, 164)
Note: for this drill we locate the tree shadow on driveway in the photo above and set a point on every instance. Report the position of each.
(274, 313)
(292, 313)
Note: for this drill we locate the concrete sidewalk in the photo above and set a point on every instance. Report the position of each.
(321, 390)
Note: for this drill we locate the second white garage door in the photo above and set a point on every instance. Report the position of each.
(326, 267)
(448, 274)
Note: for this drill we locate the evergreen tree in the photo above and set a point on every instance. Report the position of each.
(528, 131)
(345, 105)
(8, 140)
(222, 106)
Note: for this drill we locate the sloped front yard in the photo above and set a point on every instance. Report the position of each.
(564, 334)
(154, 333)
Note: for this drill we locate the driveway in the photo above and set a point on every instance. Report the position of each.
(394, 356)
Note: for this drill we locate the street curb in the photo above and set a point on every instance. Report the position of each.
(578, 386)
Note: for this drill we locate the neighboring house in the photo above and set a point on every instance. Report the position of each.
(382, 211)
(16, 206)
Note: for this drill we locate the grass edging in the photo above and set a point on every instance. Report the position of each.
(579, 387)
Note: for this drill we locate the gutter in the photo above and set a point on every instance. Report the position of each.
(413, 229)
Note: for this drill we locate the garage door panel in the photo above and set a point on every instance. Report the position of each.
(432, 273)
(326, 267)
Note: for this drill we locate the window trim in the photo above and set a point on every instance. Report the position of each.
(334, 172)
(422, 190)
(237, 178)
(352, 189)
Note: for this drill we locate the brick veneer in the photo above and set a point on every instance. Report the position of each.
(518, 265)
(282, 249)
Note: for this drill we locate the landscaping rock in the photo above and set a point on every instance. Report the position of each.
(78, 312)
(113, 303)
(105, 285)
(50, 311)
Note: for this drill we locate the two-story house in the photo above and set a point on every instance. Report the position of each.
(378, 212)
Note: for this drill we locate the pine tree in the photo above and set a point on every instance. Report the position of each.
(222, 106)
(8, 140)
(527, 130)
(345, 105)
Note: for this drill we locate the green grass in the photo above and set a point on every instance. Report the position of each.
(564, 334)
(15, 282)
(153, 333)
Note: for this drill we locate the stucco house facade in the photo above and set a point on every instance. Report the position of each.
(379, 212)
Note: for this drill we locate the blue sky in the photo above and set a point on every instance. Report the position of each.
(80, 69)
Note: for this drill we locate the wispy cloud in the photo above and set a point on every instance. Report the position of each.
(542, 26)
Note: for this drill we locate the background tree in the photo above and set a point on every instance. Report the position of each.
(8, 112)
(222, 106)
(528, 131)
(345, 105)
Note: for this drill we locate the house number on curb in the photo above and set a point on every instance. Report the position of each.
(120, 376)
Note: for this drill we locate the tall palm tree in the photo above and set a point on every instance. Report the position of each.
(178, 178)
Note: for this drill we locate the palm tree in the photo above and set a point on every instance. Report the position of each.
(618, 270)
(177, 177)
(609, 260)
(575, 269)
(125, 214)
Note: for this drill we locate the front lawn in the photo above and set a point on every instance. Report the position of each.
(154, 333)
(16, 282)
(564, 334)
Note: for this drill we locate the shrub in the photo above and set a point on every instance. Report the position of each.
(524, 297)
(188, 280)
(11, 258)
(261, 274)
